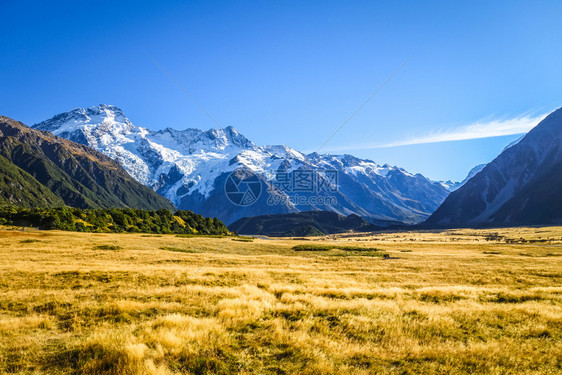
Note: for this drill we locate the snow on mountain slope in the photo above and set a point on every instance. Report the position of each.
(452, 186)
(190, 167)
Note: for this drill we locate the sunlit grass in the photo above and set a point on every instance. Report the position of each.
(460, 301)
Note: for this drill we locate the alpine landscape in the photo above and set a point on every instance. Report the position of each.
(280, 188)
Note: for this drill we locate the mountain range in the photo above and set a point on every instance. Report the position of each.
(96, 158)
(38, 169)
(190, 167)
(519, 187)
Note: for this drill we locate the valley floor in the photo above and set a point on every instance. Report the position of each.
(460, 301)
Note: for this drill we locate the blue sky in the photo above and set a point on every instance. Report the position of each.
(293, 72)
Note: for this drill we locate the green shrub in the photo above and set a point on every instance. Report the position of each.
(177, 249)
(116, 220)
(107, 247)
(29, 241)
(322, 247)
(313, 247)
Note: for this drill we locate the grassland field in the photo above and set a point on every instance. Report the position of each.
(439, 302)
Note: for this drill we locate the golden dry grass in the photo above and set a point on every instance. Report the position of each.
(459, 301)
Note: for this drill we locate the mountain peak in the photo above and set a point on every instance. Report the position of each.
(95, 110)
(286, 152)
(99, 114)
(236, 138)
(105, 109)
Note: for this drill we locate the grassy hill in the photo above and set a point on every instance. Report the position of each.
(39, 169)
(20, 188)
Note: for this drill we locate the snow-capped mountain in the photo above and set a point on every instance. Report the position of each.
(190, 167)
(452, 185)
(520, 187)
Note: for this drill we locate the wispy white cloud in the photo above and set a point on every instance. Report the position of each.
(481, 129)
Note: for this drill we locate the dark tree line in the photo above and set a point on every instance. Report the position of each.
(114, 220)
